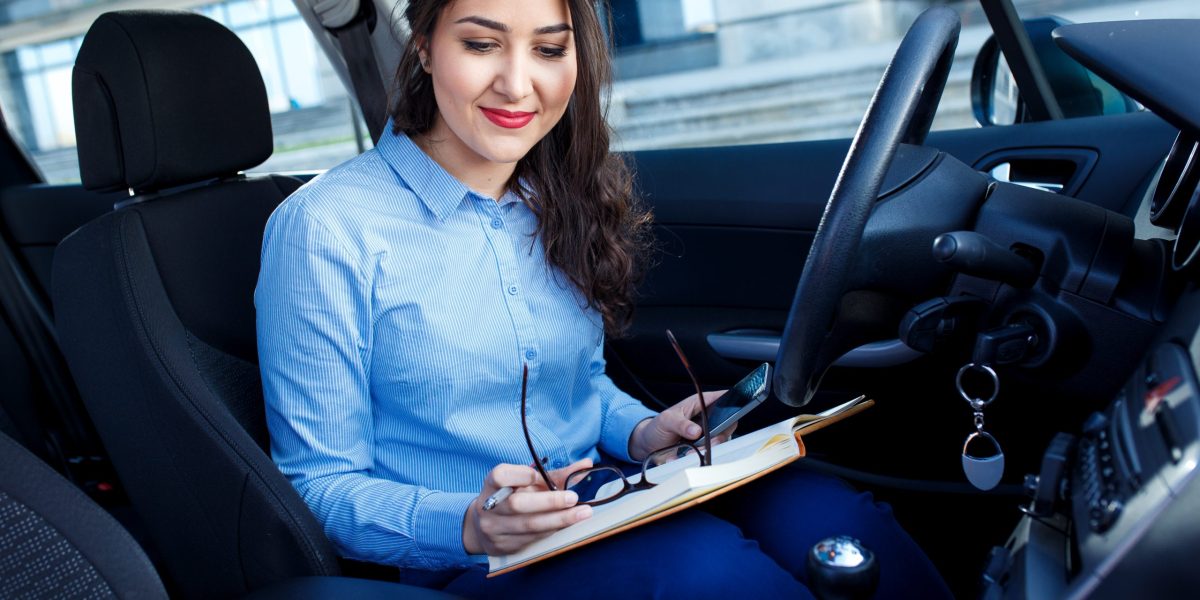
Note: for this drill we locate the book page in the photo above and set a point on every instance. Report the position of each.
(684, 480)
(735, 449)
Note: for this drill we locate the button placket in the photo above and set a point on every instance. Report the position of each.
(548, 443)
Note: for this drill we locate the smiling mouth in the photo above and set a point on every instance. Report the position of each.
(507, 119)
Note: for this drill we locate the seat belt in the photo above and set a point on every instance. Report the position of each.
(70, 438)
(351, 22)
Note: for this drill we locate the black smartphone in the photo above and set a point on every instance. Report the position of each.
(751, 391)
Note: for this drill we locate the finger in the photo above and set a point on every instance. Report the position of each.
(506, 475)
(583, 463)
(559, 476)
(674, 425)
(508, 544)
(726, 435)
(540, 502)
(710, 398)
(546, 522)
(688, 411)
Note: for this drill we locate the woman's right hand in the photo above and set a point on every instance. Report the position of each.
(529, 514)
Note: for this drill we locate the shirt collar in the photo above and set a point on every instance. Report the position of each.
(440, 191)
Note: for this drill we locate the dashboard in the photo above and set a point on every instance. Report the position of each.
(1113, 510)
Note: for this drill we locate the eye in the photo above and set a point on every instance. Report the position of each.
(550, 51)
(477, 46)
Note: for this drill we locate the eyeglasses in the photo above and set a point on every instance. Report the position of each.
(590, 478)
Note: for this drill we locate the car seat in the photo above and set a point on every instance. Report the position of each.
(56, 543)
(154, 301)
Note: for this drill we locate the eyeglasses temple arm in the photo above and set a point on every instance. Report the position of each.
(537, 463)
(706, 459)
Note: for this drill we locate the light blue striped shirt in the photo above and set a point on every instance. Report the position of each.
(395, 310)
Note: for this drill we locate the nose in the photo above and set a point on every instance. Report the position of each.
(513, 77)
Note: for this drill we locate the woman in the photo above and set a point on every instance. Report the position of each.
(403, 292)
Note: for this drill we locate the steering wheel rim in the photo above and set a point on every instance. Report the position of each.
(901, 111)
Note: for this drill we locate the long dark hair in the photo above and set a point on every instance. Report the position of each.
(592, 225)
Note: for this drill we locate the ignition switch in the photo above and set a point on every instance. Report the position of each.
(1005, 345)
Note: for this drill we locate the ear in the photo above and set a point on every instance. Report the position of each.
(423, 53)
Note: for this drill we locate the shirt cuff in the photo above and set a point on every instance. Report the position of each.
(619, 427)
(438, 529)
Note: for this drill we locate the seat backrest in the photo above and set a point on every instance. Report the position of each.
(56, 543)
(154, 302)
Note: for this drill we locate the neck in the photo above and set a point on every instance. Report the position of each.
(483, 176)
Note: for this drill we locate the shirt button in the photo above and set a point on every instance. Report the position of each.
(497, 223)
(530, 354)
(512, 290)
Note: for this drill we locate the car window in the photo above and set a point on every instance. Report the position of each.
(721, 72)
(312, 116)
(688, 72)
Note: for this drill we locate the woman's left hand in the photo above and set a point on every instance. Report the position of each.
(672, 426)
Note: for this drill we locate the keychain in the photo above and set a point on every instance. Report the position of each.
(983, 472)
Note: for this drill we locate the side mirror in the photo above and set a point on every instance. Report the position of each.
(996, 100)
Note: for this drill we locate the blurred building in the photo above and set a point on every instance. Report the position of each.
(757, 71)
(311, 112)
(689, 72)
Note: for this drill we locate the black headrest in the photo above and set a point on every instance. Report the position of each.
(164, 98)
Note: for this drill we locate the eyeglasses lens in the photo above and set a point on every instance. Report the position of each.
(686, 452)
(597, 485)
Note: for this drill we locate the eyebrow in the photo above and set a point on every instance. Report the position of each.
(490, 24)
(561, 27)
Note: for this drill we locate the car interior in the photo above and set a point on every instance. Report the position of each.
(1029, 288)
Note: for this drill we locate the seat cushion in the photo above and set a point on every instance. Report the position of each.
(56, 543)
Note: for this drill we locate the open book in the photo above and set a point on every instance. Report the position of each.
(685, 483)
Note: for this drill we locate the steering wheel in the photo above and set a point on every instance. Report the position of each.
(901, 111)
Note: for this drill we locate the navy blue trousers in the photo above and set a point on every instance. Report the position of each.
(750, 543)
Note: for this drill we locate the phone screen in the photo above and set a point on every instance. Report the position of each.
(739, 400)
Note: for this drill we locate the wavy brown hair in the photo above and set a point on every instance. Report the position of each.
(592, 224)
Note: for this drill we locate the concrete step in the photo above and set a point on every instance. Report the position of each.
(814, 111)
(788, 89)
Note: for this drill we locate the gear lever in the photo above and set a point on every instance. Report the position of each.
(841, 568)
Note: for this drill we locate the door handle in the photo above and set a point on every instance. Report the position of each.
(1057, 170)
(763, 345)
(1003, 172)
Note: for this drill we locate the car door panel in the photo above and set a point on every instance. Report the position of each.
(733, 226)
(1128, 149)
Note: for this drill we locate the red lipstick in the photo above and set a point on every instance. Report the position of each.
(507, 119)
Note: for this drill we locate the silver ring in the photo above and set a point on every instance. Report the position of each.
(982, 435)
(995, 384)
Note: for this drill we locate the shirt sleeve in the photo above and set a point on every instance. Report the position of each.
(313, 304)
(620, 411)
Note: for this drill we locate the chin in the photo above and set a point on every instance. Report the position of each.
(505, 152)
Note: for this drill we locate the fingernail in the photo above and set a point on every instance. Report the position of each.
(694, 430)
(583, 512)
(571, 497)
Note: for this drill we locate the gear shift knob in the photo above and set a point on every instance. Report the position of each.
(841, 568)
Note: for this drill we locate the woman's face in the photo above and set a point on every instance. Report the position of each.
(503, 72)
